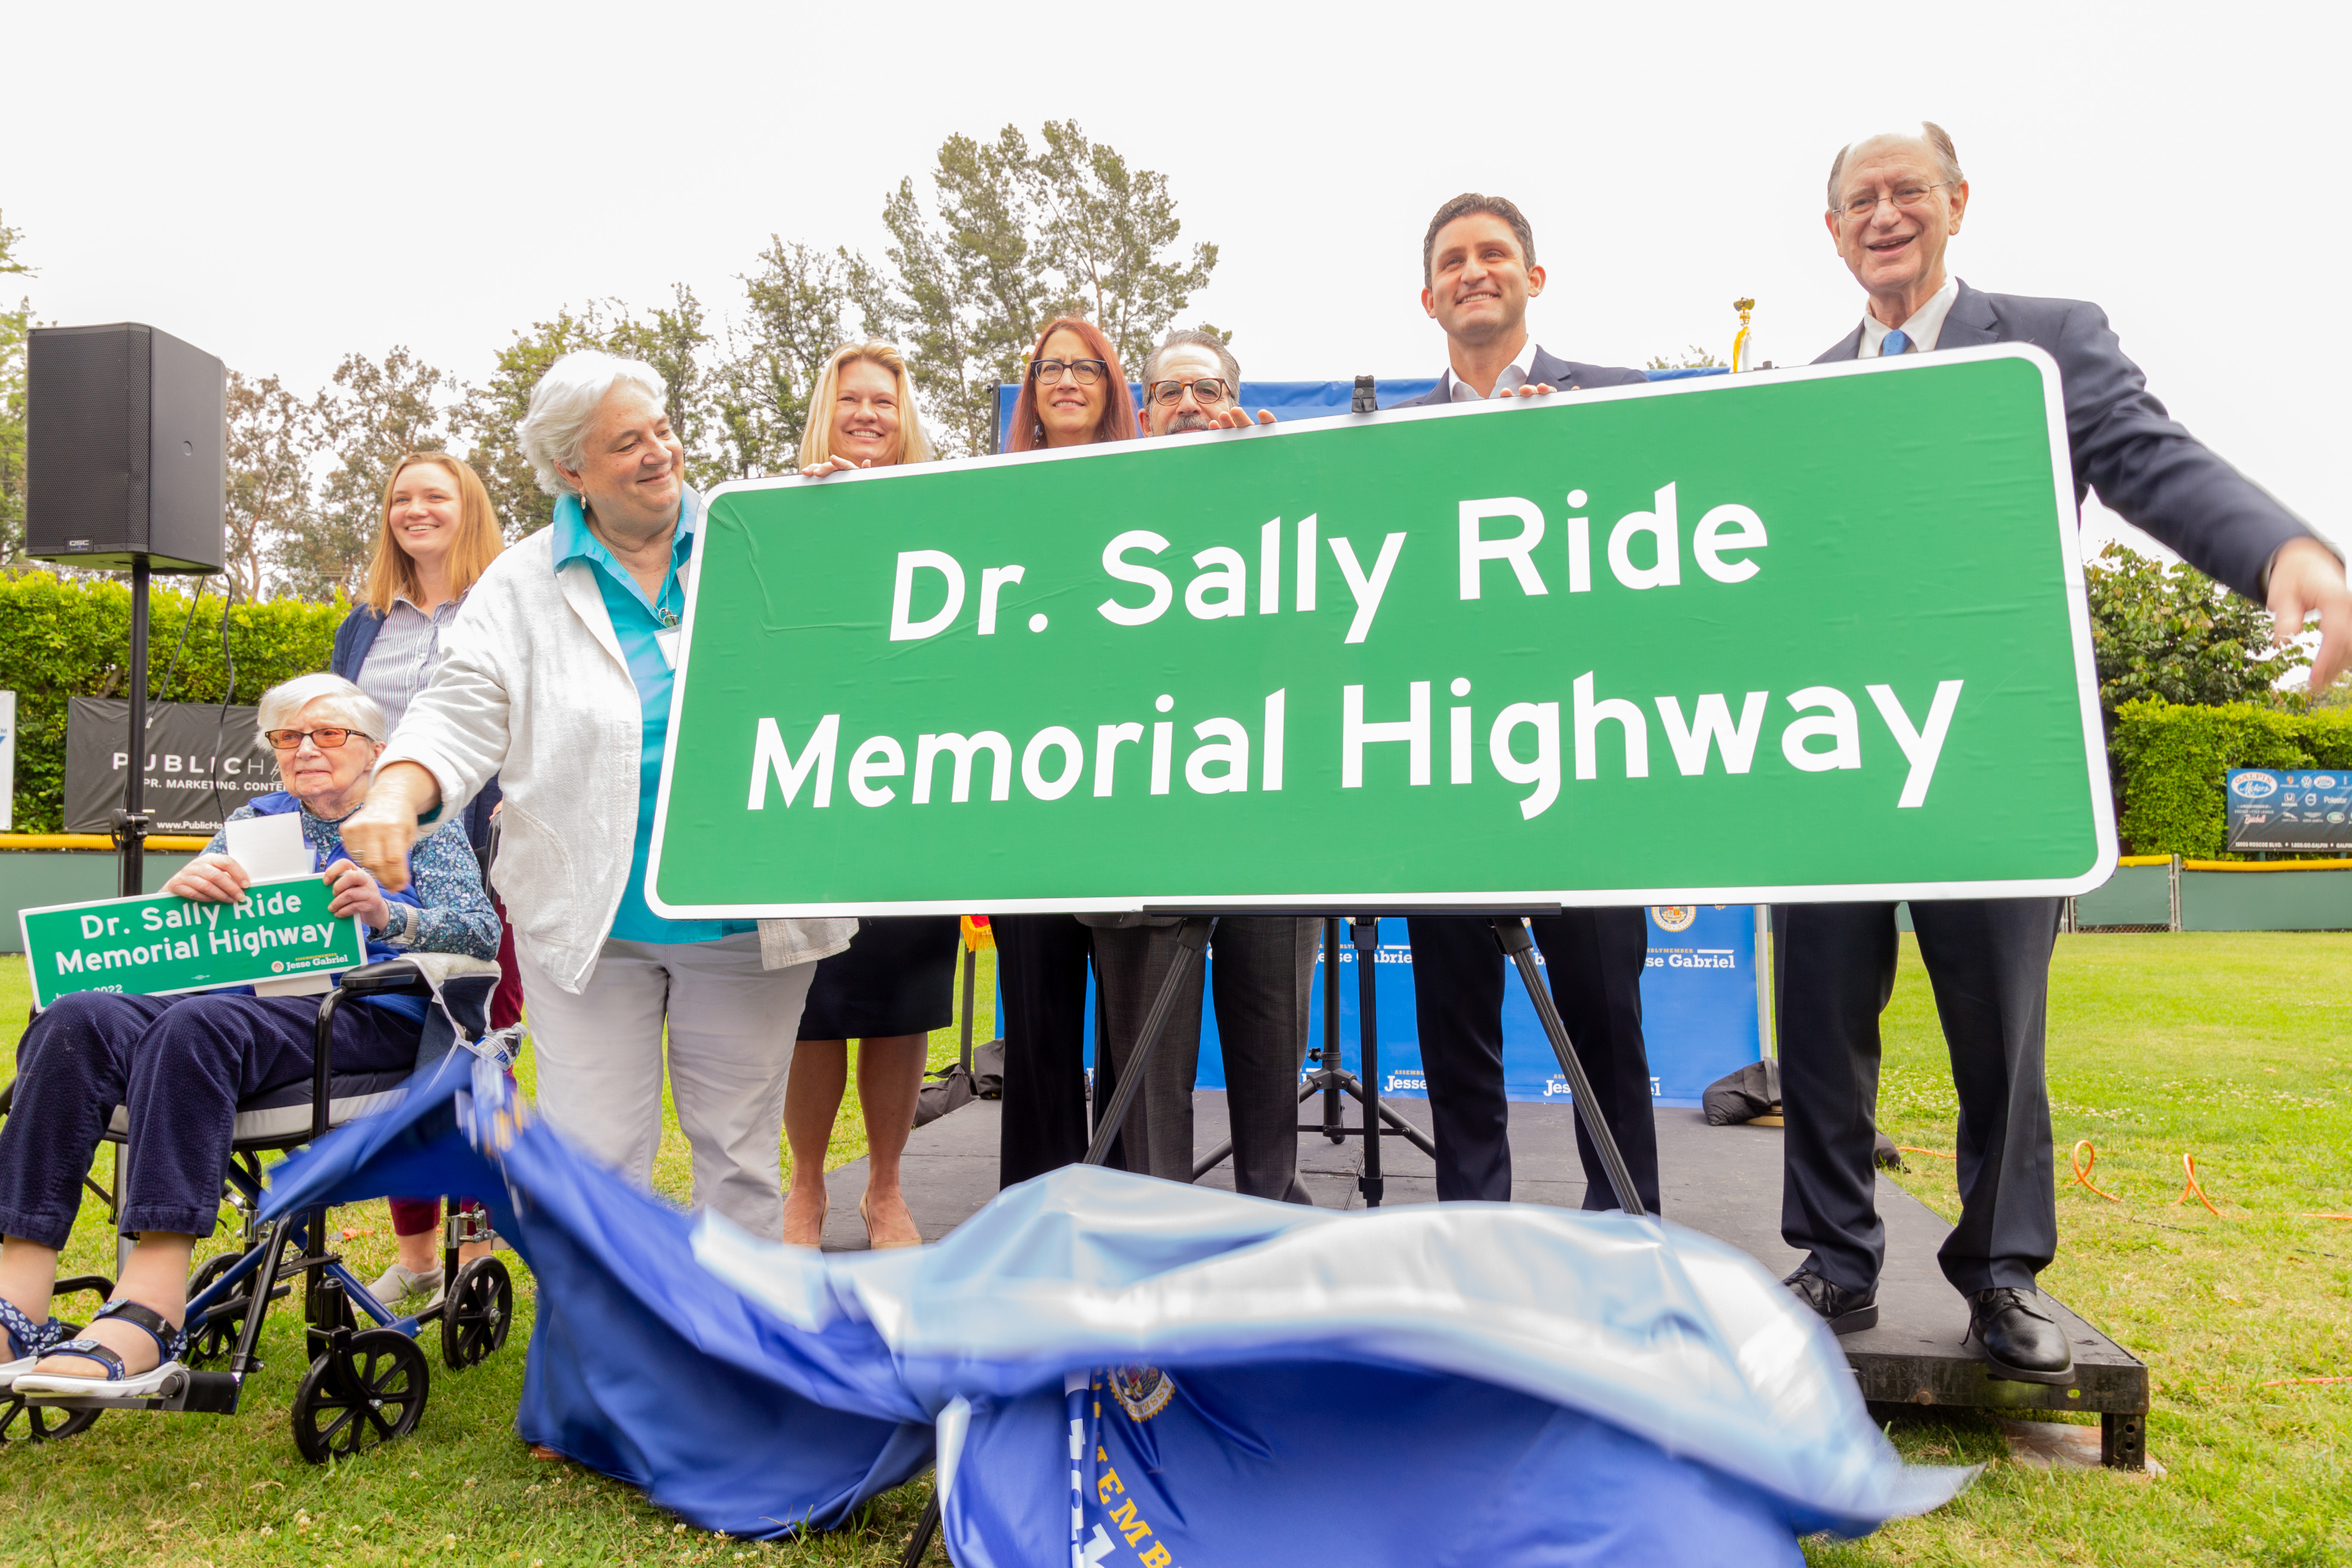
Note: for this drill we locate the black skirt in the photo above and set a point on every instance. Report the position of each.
(897, 977)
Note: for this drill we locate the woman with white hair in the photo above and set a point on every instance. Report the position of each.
(557, 681)
(178, 1064)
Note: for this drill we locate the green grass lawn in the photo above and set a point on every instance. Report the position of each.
(2235, 1047)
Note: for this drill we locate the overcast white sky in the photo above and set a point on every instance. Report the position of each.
(280, 184)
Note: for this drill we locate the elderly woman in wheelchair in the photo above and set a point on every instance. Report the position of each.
(179, 1065)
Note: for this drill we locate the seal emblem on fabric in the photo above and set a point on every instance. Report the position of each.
(1141, 1390)
(1675, 917)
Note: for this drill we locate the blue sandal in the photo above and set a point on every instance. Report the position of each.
(117, 1382)
(28, 1341)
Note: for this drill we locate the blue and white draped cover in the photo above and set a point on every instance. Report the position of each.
(1116, 1371)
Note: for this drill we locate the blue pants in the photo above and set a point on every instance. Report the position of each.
(180, 1064)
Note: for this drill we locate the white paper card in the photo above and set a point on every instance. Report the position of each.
(268, 847)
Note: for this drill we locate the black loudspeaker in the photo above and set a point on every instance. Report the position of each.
(125, 448)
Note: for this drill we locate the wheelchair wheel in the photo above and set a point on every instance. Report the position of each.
(477, 1312)
(210, 1345)
(23, 1422)
(368, 1390)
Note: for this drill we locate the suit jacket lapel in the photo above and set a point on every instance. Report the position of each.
(1848, 347)
(1968, 323)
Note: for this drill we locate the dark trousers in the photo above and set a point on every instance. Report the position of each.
(180, 1064)
(1594, 960)
(1041, 972)
(415, 1216)
(1988, 961)
(1265, 978)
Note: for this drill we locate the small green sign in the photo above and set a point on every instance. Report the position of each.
(1815, 634)
(162, 943)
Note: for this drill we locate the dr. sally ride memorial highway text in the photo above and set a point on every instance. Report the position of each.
(1797, 634)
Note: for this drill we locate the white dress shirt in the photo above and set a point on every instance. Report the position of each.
(1514, 376)
(1925, 325)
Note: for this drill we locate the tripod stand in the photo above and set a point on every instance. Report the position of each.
(1332, 1080)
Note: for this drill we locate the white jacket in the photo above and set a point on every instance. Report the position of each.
(534, 690)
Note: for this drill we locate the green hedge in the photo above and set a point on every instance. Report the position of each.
(2170, 761)
(71, 637)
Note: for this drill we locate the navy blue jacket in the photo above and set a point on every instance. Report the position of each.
(1568, 374)
(2145, 466)
(353, 639)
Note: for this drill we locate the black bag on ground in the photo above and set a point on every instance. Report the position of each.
(1743, 1096)
(956, 1089)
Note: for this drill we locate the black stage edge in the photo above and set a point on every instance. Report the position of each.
(1724, 1181)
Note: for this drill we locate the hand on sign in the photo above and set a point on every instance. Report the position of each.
(1536, 391)
(209, 880)
(834, 465)
(2307, 579)
(1238, 418)
(356, 893)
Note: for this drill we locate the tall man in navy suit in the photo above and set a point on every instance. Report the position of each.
(1478, 272)
(1895, 202)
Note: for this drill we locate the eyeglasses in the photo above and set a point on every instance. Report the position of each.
(1087, 371)
(1208, 389)
(326, 739)
(1907, 198)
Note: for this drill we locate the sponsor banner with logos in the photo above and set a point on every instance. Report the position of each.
(203, 761)
(1646, 645)
(2289, 809)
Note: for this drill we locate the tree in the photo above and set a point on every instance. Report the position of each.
(969, 286)
(2173, 632)
(15, 328)
(372, 415)
(1103, 228)
(800, 303)
(671, 342)
(1691, 358)
(273, 438)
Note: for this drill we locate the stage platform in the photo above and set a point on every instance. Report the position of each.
(1724, 1181)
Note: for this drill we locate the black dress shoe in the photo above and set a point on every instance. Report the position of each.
(2021, 1341)
(1846, 1311)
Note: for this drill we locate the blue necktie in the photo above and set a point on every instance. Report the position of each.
(1894, 343)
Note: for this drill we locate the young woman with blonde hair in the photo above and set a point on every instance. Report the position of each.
(897, 982)
(439, 534)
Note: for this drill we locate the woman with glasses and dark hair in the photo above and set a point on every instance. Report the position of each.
(439, 532)
(897, 982)
(178, 1064)
(1074, 393)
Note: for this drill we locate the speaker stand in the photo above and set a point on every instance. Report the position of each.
(132, 821)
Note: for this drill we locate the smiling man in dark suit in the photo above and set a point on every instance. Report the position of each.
(1895, 202)
(1478, 272)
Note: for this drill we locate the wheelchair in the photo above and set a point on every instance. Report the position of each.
(366, 1384)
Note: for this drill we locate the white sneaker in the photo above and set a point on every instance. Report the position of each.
(399, 1282)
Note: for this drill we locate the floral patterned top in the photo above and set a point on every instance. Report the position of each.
(453, 912)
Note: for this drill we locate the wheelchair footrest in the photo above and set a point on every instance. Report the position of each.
(191, 1392)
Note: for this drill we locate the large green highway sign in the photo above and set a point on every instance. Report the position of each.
(162, 943)
(1813, 635)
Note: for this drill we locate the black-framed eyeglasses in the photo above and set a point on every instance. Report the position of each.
(1907, 198)
(1206, 390)
(326, 737)
(1049, 371)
